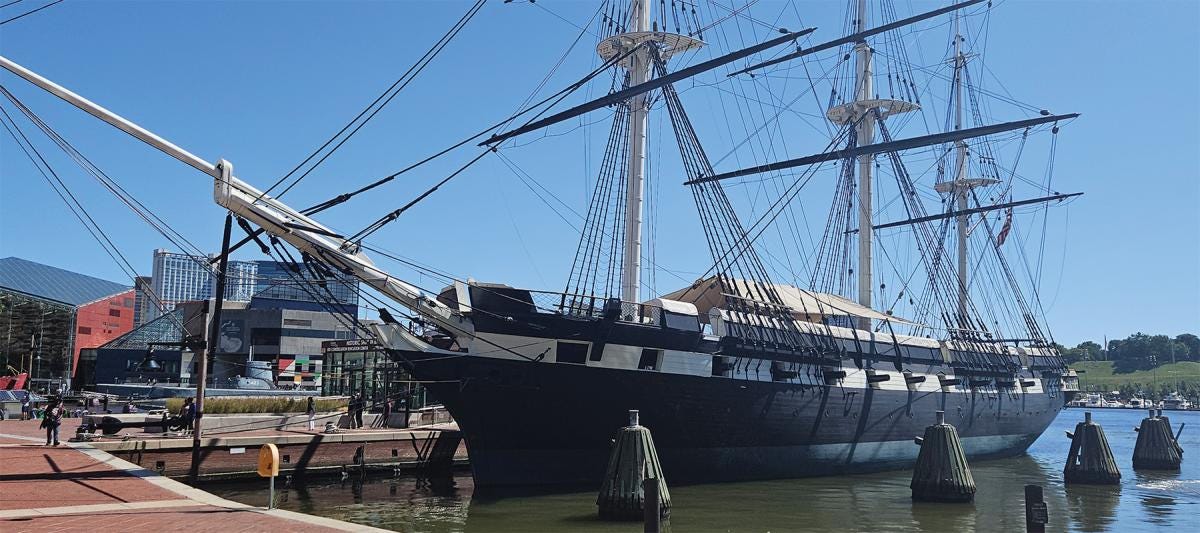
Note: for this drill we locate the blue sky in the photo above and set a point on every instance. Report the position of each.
(261, 84)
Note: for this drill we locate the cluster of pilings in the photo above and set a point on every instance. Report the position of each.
(1156, 448)
(941, 473)
(633, 486)
(1090, 460)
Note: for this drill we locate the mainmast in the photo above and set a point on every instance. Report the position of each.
(638, 67)
(960, 187)
(862, 113)
(866, 136)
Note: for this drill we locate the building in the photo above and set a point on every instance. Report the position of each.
(256, 348)
(362, 366)
(144, 308)
(49, 314)
(181, 278)
(279, 287)
(123, 357)
(177, 278)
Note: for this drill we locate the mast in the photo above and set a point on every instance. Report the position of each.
(866, 136)
(961, 185)
(639, 71)
(961, 173)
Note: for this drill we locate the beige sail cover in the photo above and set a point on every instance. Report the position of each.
(805, 305)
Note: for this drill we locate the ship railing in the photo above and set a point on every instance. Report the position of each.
(595, 307)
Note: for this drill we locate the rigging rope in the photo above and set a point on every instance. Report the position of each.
(378, 104)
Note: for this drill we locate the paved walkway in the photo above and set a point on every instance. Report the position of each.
(76, 487)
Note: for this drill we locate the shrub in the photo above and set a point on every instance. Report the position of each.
(275, 405)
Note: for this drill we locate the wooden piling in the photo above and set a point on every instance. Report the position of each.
(1156, 448)
(1173, 433)
(1090, 460)
(1036, 512)
(941, 473)
(632, 462)
(652, 510)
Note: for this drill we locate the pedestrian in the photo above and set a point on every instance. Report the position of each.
(358, 413)
(351, 408)
(387, 414)
(187, 414)
(26, 409)
(311, 411)
(104, 405)
(51, 420)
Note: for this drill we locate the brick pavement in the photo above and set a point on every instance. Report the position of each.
(77, 488)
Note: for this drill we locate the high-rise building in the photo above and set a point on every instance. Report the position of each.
(267, 284)
(182, 278)
(143, 303)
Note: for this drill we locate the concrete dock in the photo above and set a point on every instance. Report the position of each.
(79, 487)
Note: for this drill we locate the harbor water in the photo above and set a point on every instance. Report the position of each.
(1144, 501)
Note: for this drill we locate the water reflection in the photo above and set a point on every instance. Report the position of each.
(1093, 507)
(1146, 501)
(1157, 496)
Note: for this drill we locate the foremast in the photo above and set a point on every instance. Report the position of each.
(866, 136)
(639, 72)
(643, 45)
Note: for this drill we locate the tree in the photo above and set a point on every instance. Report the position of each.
(1192, 343)
(1089, 351)
(1140, 352)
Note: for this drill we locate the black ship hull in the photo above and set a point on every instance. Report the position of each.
(541, 423)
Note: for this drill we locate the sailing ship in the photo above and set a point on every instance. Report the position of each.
(739, 375)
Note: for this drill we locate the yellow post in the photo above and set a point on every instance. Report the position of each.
(268, 467)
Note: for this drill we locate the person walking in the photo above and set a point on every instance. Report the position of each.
(25, 407)
(352, 408)
(51, 420)
(187, 414)
(387, 414)
(358, 412)
(104, 405)
(311, 411)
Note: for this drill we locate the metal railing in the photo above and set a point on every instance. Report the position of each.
(590, 306)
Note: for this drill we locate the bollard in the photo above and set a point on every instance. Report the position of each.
(941, 473)
(268, 467)
(1090, 460)
(1036, 513)
(652, 521)
(633, 462)
(1156, 448)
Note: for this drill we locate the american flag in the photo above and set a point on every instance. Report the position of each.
(1003, 235)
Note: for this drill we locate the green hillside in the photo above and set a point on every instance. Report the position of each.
(1098, 375)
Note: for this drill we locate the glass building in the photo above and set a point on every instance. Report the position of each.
(48, 315)
(180, 277)
(360, 366)
(275, 282)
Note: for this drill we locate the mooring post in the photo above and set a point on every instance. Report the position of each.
(652, 507)
(941, 473)
(1036, 513)
(633, 485)
(1156, 448)
(1090, 460)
